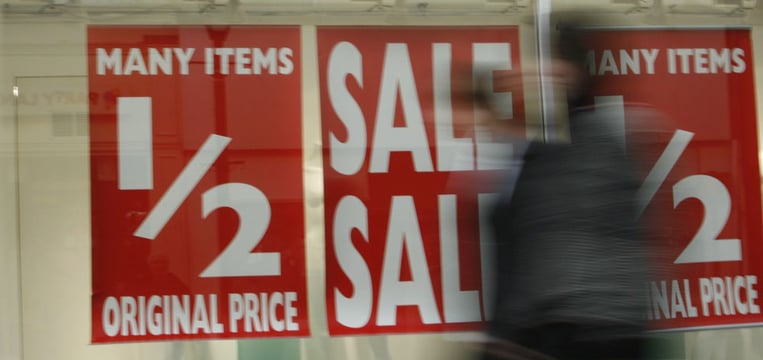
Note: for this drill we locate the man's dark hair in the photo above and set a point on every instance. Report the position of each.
(572, 43)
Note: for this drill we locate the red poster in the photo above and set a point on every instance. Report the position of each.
(703, 179)
(196, 176)
(403, 247)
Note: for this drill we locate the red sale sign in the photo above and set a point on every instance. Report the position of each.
(403, 250)
(196, 176)
(706, 168)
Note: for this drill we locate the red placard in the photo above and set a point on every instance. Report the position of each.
(196, 173)
(704, 176)
(402, 240)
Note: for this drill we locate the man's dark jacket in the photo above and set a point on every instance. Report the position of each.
(570, 248)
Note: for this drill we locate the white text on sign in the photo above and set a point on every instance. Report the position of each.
(398, 78)
(672, 61)
(169, 61)
(713, 296)
(403, 234)
(199, 314)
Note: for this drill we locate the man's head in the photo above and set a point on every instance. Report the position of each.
(570, 49)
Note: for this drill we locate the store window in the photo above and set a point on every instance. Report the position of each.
(133, 128)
